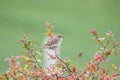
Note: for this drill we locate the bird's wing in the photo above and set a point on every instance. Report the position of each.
(51, 42)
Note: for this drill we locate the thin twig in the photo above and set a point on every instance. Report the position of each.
(106, 44)
(69, 70)
(36, 61)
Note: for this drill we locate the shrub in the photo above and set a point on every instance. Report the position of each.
(28, 67)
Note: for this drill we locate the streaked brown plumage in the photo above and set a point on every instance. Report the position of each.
(54, 42)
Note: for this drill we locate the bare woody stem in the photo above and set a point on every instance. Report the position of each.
(68, 69)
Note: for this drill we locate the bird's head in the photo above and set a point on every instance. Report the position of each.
(59, 36)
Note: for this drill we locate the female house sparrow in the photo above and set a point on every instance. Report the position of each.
(52, 49)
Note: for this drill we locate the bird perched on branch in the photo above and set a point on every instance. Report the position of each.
(52, 48)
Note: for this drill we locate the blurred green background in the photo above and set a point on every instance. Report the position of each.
(72, 18)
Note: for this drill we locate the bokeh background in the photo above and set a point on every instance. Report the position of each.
(72, 18)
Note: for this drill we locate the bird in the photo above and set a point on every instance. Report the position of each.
(53, 43)
(52, 48)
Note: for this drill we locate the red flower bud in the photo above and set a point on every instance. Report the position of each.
(47, 24)
(94, 32)
(107, 78)
(98, 57)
